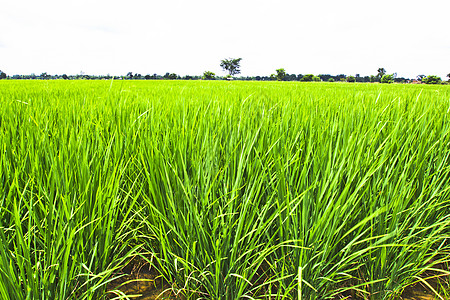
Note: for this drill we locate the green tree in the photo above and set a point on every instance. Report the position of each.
(351, 78)
(44, 76)
(381, 72)
(387, 78)
(281, 73)
(172, 76)
(432, 79)
(208, 75)
(373, 78)
(448, 75)
(307, 77)
(231, 65)
(2, 75)
(331, 80)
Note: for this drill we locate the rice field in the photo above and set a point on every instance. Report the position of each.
(227, 190)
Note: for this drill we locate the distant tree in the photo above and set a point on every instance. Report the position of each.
(432, 79)
(129, 75)
(281, 73)
(448, 75)
(2, 75)
(44, 76)
(147, 77)
(208, 75)
(231, 65)
(290, 77)
(316, 78)
(363, 79)
(420, 77)
(351, 78)
(307, 77)
(331, 80)
(65, 77)
(381, 72)
(387, 78)
(325, 77)
(173, 76)
(400, 79)
(340, 77)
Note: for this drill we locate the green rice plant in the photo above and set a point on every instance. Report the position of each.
(64, 230)
(230, 190)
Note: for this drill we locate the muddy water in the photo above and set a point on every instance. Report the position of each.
(145, 284)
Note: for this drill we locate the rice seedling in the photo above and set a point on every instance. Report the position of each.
(229, 190)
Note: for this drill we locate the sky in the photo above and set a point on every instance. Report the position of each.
(334, 37)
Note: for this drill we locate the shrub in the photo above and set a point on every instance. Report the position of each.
(351, 79)
(307, 77)
(208, 75)
(432, 79)
(387, 78)
(281, 73)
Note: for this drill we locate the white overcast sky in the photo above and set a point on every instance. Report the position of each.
(188, 37)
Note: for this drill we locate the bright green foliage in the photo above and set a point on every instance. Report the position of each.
(351, 79)
(281, 73)
(231, 65)
(208, 75)
(307, 77)
(387, 78)
(432, 79)
(310, 77)
(172, 76)
(231, 190)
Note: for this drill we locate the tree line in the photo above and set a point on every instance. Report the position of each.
(232, 67)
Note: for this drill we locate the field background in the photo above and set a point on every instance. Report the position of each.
(228, 189)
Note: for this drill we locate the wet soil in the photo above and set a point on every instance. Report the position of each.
(144, 283)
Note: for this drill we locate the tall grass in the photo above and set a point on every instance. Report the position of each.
(229, 189)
